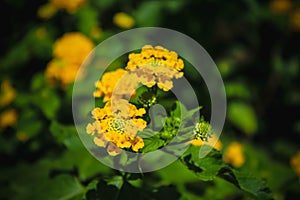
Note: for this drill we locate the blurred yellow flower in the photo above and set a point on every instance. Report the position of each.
(69, 5)
(61, 72)
(117, 125)
(123, 20)
(156, 65)
(295, 20)
(8, 118)
(280, 6)
(69, 52)
(211, 141)
(73, 47)
(295, 163)
(234, 154)
(46, 11)
(7, 94)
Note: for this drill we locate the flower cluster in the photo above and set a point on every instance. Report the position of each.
(69, 53)
(156, 65)
(116, 126)
(118, 122)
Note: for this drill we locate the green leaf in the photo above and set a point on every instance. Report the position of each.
(166, 192)
(226, 67)
(173, 6)
(191, 113)
(116, 181)
(88, 19)
(212, 166)
(177, 111)
(33, 181)
(15, 56)
(83, 159)
(239, 90)
(148, 13)
(185, 175)
(62, 187)
(243, 116)
(44, 97)
(181, 112)
(48, 101)
(102, 191)
(66, 135)
(29, 123)
(105, 190)
(103, 4)
(246, 182)
(152, 144)
(38, 82)
(206, 168)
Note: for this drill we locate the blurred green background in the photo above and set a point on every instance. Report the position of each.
(255, 45)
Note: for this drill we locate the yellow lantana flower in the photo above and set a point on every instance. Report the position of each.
(69, 52)
(123, 20)
(234, 154)
(8, 118)
(7, 94)
(295, 163)
(119, 83)
(156, 65)
(137, 144)
(116, 125)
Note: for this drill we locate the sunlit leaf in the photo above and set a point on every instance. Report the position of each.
(243, 116)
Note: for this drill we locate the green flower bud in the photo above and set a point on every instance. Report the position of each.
(171, 127)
